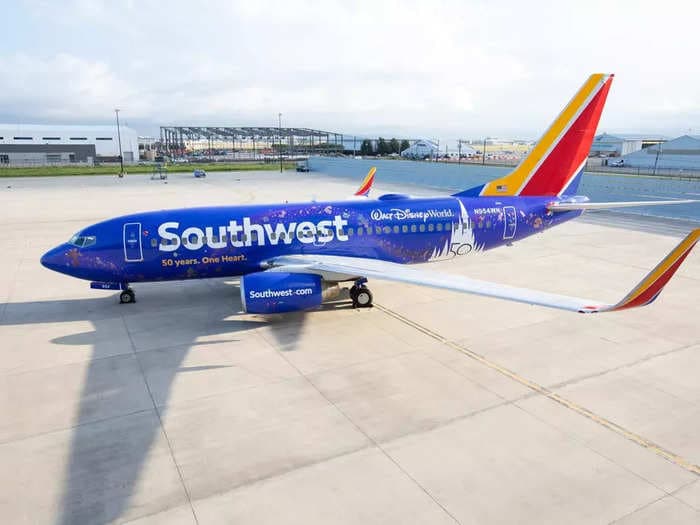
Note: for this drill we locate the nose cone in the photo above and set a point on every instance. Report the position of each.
(56, 259)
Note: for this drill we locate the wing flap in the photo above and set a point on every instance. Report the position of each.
(350, 268)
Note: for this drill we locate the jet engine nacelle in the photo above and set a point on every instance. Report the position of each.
(279, 292)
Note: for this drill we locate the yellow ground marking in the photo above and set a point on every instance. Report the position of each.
(610, 425)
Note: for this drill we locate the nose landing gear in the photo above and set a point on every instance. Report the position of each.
(360, 295)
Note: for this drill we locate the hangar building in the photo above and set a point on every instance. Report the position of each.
(682, 153)
(40, 144)
(619, 144)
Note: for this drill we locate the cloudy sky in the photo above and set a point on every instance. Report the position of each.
(413, 69)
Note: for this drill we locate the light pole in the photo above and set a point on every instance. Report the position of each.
(659, 150)
(279, 128)
(119, 138)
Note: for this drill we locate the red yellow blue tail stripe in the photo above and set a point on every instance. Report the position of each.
(366, 185)
(559, 156)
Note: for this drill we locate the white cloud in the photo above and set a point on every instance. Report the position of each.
(446, 68)
(61, 86)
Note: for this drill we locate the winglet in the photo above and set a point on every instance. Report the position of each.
(650, 287)
(363, 190)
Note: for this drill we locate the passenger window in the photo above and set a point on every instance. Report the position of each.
(377, 230)
(404, 228)
(396, 229)
(422, 227)
(215, 238)
(439, 226)
(387, 229)
(359, 230)
(413, 228)
(448, 226)
(351, 231)
(431, 227)
(273, 236)
(154, 242)
(254, 236)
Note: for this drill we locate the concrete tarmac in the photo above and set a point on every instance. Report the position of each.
(433, 407)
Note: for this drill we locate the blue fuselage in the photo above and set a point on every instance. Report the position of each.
(194, 243)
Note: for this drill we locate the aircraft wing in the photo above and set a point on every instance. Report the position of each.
(349, 268)
(570, 206)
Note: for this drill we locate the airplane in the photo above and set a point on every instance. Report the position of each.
(292, 257)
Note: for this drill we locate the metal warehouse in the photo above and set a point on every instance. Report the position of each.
(39, 144)
(682, 153)
(606, 145)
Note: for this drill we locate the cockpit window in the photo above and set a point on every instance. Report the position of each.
(82, 241)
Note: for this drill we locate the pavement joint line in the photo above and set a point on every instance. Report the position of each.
(78, 425)
(160, 422)
(674, 494)
(631, 364)
(637, 509)
(610, 425)
(590, 446)
(371, 440)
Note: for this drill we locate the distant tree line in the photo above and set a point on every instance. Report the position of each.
(384, 147)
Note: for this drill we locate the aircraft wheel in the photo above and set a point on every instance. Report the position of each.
(363, 297)
(127, 296)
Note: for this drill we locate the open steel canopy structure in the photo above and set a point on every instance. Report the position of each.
(293, 140)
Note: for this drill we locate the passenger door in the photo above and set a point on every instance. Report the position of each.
(510, 222)
(132, 242)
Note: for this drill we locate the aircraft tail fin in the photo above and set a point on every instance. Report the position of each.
(366, 185)
(555, 164)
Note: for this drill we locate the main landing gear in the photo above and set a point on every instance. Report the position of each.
(127, 296)
(360, 295)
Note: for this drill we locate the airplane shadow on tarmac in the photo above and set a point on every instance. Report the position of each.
(106, 457)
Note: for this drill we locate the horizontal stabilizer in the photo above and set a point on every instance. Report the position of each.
(571, 206)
